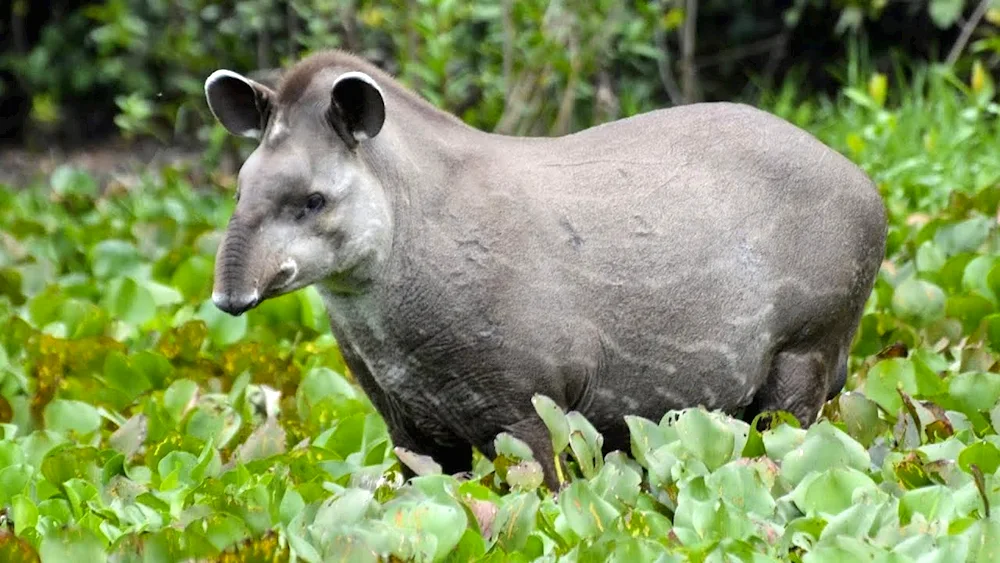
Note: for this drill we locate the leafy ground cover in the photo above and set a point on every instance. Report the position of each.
(142, 424)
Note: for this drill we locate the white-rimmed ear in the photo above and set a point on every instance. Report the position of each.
(237, 102)
(358, 102)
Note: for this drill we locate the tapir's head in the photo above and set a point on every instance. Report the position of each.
(309, 210)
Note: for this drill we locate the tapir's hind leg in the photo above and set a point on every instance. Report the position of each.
(799, 383)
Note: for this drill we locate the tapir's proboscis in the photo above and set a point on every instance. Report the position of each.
(708, 255)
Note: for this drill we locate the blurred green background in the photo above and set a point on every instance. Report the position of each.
(74, 73)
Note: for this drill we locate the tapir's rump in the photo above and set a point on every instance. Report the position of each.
(709, 254)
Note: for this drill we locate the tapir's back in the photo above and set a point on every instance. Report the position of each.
(695, 241)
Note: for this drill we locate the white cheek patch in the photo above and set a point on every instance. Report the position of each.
(278, 129)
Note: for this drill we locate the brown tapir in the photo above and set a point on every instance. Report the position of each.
(709, 254)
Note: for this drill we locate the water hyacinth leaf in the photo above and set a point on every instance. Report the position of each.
(435, 526)
(586, 443)
(918, 301)
(705, 437)
(975, 391)
(586, 513)
(13, 481)
(121, 374)
(265, 441)
(700, 517)
(645, 436)
(128, 301)
(975, 277)
(193, 278)
(825, 447)
(831, 491)
(348, 507)
(180, 397)
(886, 376)
(63, 415)
(223, 530)
(67, 181)
(984, 455)
(525, 475)
(618, 481)
(861, 417)
(742, 487)
(114, 257)
(934, 502)
(418, 463)
(781, 440)
(514, 448)
(969, 309)
(992, 323)
(930, 258)
(515, 520)
(555, 420)
(223, 328)
(72, 544)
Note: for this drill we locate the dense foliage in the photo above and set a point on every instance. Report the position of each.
(142, 424)
(74, 68)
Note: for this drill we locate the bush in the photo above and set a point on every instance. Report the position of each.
(524, 67)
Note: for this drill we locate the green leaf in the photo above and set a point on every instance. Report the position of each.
(193, 278)
(975, 391)
(930, 258)
(645, 436)
(969, 309)
(708, 439)
(114, 258)
(73, 544)
(72, 416)
(831, 491)
(67, 180)
(976, 275)
(742, 487)
(918, 301)
(435, 527)
(128, 301)
(223, 530)
(515, 520)
(555, 421)
(223, 328)
(586, 444)
(825, 447)
(179, 397)
(933, 502)
(887, 375)
(508, 445)
(586, 513)
(983, 454)
(861, 418)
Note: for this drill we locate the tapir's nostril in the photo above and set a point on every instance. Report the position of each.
(235, 305)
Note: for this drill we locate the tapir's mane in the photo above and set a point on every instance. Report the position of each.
(298, 78)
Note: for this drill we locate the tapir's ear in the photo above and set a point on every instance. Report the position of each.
(357, 103)
(238, 102)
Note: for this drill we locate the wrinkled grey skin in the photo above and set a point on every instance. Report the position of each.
(708, 254)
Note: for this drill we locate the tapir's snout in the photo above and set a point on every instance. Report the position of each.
(235, 305)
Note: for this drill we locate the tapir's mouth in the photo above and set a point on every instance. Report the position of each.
(236, 305)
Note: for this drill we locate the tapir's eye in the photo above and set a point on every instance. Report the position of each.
(315, 202)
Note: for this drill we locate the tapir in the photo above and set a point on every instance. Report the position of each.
(709, 254)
